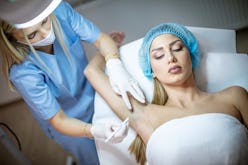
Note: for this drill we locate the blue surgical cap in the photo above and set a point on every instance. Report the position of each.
(178, 30)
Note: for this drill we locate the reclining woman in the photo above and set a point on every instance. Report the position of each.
(182, 125)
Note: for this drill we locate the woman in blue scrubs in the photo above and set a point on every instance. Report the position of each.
(44, 60)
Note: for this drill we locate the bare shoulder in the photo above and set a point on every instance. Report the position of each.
(235, 95)
(234, 91)
(238, 97)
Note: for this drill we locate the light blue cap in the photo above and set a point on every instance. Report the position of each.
(167, 28)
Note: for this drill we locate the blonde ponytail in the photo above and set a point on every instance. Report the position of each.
(138, 148)
(11, 51)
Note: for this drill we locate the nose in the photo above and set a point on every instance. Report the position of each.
(44, 32)
(171, 58)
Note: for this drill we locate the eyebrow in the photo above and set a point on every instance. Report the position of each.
(161, 48)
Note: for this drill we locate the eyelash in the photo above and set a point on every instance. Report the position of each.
(178, 49)
(34, 34)
(159, 56)
(174, 50)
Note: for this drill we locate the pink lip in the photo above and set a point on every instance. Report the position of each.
(175, 69)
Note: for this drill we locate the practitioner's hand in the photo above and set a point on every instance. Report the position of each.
(122, 82)
(113, 132)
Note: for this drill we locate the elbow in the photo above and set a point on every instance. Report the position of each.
(88, 71)
(95, 67)
(57, 120)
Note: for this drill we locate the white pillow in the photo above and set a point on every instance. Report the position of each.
(218, 71)
(215, 40)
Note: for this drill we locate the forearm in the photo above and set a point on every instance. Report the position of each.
(70, 126)
(99, 80)
(106, 46)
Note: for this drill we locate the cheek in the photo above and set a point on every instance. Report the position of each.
(188, 61)
(159, 68)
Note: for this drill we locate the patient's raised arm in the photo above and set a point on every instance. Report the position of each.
(100, 82)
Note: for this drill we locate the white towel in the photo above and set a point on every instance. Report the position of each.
(206, 139)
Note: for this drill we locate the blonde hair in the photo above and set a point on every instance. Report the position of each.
(138, 147)
(159, 95)
(13, 52)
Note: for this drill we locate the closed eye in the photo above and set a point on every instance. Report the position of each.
(177, 49)
(159, 56)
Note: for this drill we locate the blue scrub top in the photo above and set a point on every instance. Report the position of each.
(62, 85)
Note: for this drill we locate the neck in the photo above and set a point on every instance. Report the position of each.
(182, 95)
(47, 49)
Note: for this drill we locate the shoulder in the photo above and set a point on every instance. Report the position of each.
(237, 96)
(240, 101)
(23, 70)
(63, 6)
(234, 91)
(64, 10)
(234, 95)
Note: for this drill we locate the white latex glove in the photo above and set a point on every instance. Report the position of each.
(122, 82)
(113, 132)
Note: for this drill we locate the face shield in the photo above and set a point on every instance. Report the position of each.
(26, 13)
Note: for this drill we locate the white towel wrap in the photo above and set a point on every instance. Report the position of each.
(206, 139)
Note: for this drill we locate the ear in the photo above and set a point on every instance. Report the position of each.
(153, 76)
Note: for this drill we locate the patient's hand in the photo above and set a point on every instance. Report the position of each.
(118, 37)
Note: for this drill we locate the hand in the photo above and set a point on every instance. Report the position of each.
(122, 82)
(114, 132)
(118, 38)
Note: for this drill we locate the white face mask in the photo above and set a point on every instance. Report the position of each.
(46, 41)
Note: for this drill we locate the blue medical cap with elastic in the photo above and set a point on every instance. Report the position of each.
(178, 30)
